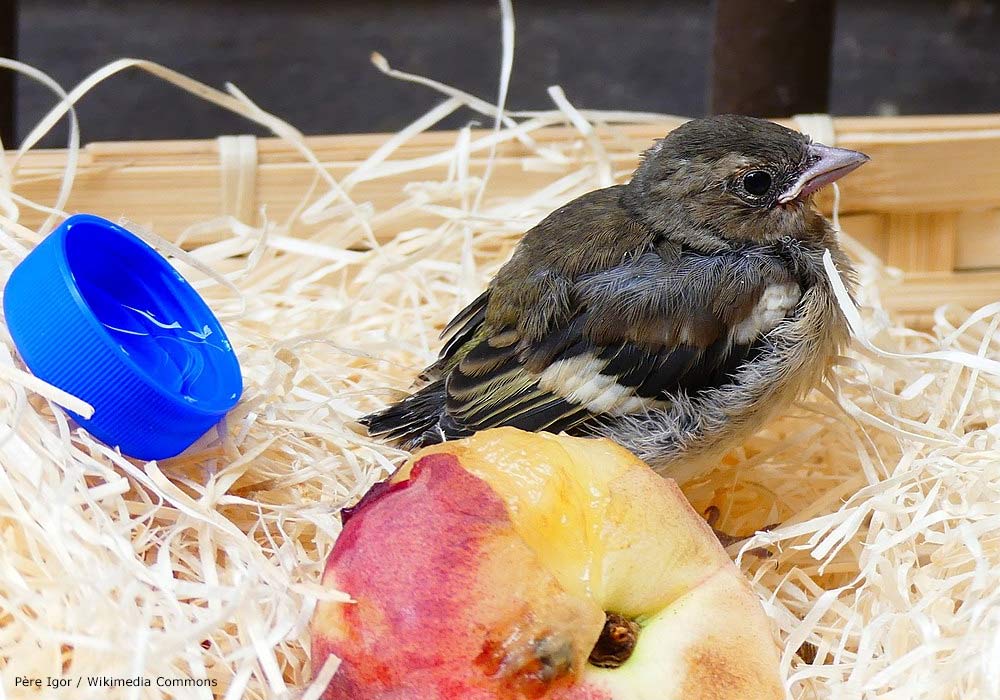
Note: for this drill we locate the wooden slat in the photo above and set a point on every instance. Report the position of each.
(924, 242)
(919, 293)
(137, 193)
(978, 239)
(918, 123)
(898, 205)
(929, 164)
(870, 230)
(913, 175)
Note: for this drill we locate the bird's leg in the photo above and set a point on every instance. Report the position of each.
(712, 514)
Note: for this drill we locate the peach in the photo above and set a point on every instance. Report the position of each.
(517, 565)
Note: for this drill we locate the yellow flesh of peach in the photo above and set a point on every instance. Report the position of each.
(606, 526)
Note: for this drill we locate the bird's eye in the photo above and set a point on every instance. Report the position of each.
(757, 183)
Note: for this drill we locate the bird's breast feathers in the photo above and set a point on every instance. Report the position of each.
(775, 303)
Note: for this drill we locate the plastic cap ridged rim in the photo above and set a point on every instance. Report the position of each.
(98, 313)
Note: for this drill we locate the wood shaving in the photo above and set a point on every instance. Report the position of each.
(885, 481)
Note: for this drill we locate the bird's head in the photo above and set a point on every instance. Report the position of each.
(736, 178)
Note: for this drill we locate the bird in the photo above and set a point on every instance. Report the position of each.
(674, 314)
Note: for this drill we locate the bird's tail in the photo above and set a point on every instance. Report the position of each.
(414, 421)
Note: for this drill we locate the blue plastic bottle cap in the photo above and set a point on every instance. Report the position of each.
(98, 313)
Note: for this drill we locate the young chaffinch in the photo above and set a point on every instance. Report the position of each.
(674, 314)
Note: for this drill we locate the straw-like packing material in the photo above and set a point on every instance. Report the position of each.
(886, 577)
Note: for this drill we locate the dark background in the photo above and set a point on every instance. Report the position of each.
(308, 62)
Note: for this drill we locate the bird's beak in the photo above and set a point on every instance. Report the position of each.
(828, 165)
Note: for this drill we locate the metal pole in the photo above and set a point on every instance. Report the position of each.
(771, 58)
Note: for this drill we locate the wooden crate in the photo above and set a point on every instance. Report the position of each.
(928, 203)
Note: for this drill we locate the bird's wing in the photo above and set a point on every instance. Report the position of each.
(462, 331)
(639, 332)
